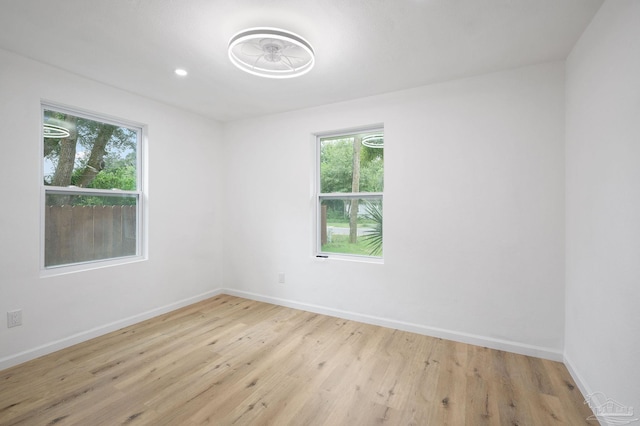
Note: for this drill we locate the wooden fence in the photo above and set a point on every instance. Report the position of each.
(83, 233)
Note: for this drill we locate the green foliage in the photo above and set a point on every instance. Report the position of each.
(341, 244)
(115, 162)
(372, 175)
(368, 154)
(89, 200)
(104, 201)
(122, 139)
(122, 178)
(118, 173)
(336, 161)
(336, 174)
(335, 165)
(336, 211)
(373, 237)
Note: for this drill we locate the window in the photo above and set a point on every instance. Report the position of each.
(349, 200)
(92, 197)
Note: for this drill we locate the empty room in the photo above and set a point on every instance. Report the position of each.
(408, 212)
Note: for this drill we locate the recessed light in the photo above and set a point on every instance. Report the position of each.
(271, 52)
(181, 72)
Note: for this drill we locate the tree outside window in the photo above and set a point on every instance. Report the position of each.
(351, 182)
(92, 191)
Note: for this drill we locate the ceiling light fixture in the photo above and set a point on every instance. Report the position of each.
(375, 140)
(181, 72)
(271, 52)
(54, 132)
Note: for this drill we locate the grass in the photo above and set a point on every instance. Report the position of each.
(340, 244)
(361, 223)
(338, 224)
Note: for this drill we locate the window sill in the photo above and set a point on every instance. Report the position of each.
(88, 266)
(327, 257)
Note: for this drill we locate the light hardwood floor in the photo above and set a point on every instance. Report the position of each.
(232, 361)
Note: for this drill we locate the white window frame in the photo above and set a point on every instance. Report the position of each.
(319, 197)
(139, 193)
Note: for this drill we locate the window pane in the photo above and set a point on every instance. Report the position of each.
(351, 226)
(82, 228)
(88, 154)
(338, 156)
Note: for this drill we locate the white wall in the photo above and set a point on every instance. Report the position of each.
(185, 260)
(474, 211)
(603, 205)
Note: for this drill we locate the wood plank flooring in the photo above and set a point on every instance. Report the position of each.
(232, 361)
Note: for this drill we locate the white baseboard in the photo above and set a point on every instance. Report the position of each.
(580, 382)
(489, 342)
(48, 348)
(499, 344)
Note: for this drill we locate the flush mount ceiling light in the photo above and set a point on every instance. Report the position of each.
(271, 52)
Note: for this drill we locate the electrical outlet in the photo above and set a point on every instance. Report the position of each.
(281, 278)
(14, 318)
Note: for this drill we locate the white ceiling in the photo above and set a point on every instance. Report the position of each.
(363, 47)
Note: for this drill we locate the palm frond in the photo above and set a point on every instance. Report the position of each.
(373, 237)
